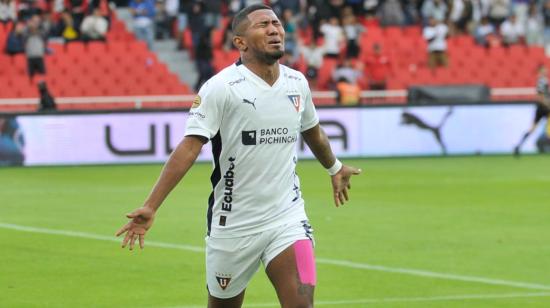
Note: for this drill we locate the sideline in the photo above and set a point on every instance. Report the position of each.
(342, 263)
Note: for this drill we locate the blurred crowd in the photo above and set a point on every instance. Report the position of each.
(35, 22)
(316, 30)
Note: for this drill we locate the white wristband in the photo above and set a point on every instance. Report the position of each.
(335, 168)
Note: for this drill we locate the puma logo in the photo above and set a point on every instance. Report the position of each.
(408, 118)
(245, 101)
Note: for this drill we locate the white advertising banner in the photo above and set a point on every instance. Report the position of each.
(143, 137)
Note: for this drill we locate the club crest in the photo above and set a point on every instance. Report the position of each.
(295, 100)
(223, 281)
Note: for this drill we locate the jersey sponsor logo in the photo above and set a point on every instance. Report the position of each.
(234, 82)
(249, 137)
(293, 77)
(295, 100)
(197, 114)
(277, 135)
(196, 102)
(223, 280)
(245, 101)
(229, 182)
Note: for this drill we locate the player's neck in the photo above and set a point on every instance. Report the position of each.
(268, 72)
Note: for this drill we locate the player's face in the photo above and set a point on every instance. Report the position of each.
(265, 36)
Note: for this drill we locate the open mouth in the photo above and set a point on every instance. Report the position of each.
(274, 42)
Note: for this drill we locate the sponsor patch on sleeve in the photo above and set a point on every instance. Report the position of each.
(196, 102)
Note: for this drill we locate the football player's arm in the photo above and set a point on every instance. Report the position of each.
(318, 142)
(179, 162)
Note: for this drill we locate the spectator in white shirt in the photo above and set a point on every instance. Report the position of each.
(334, 36)
(483, 30)
(435, 33)
(7, 11)
(94, 27)
(313, 55)
(512, 31)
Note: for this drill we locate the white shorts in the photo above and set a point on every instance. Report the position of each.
(231, 262)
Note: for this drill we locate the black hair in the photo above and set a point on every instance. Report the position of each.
(242, 15)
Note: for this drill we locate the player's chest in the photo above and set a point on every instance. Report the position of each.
(262, 107)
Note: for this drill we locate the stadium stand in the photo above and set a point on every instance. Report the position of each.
(120, 66)
(124, 66)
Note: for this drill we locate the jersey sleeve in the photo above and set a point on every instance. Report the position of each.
(206, 113)
(309, 116)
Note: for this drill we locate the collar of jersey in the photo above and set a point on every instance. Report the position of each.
(257, 79)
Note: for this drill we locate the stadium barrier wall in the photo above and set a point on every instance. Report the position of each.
(149, 137)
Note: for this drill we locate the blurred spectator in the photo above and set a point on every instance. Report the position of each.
(352, 31)
(435, 34)
(66, 28)
(184, 9)
(143, 12)
(233, 7)
(377, 68)
(347, 71)
(197, 23)
(347, 93)
(370, 7)
(94, 27)
(546, 17)
(410, 12)
(11, 142)
(483, 31)
(26, 9)
(48, 24)
(313, 55)
(318, 13)
(16, 40)
(279, 6)
(291, 36)
(203, 58)
(77, 10)
(35, 47)
(162, 20)
(520, 8)
(499, 10)
(227, 43)
(534, 28)
(172, 7)
(7, 11)
(334, 36)
(462, 14)
(47, 101)
(512, 31)
(390, 13)
(436, 9)
(213, 13)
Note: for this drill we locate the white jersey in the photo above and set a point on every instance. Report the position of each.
(253, 128)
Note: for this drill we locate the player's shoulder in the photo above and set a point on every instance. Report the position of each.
(223, 78)
(293, 76)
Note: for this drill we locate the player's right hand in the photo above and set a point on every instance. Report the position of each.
(141, 220)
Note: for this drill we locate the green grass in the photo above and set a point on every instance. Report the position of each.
(486, 217)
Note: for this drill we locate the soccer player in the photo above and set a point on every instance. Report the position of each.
(252, 112)
(542, 111)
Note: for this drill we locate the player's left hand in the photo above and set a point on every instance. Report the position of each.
(341, 184)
